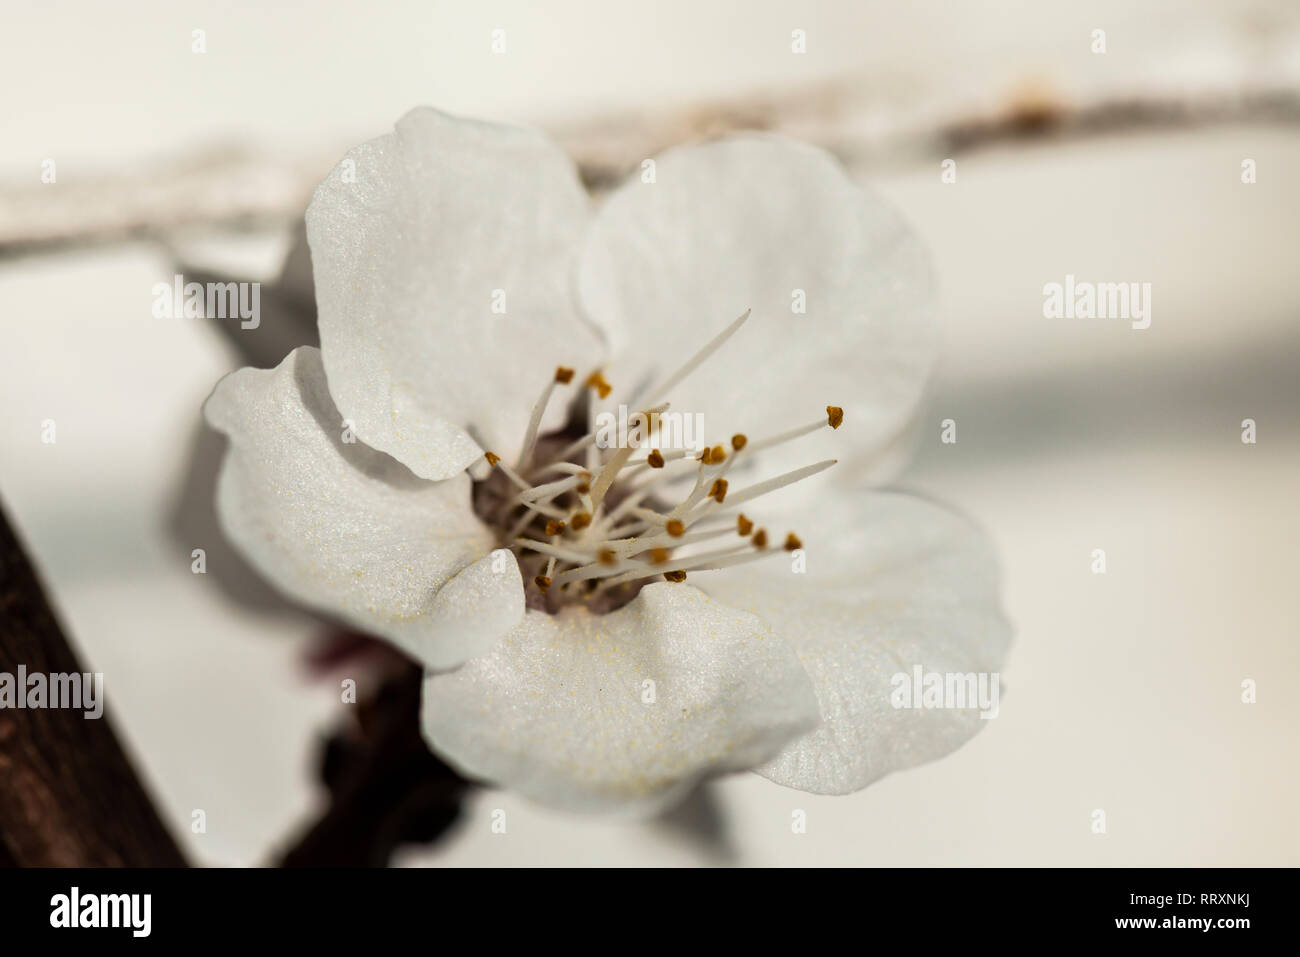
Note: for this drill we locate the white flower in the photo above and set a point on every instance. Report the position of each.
(358, 480)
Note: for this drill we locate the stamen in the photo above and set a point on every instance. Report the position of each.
(702, 487)
(589, 440)
(577, 445)
(597, 381)
(709, 561)
(607, 475)
(510, 473)
(772, 484)
(649, 516)
(602, 571)
(635, 498)
(631, 546)
(636, 466)
(568, 468)
(696, 360)
(580, 542)
(544, 493)
(531, 513)
(562, 376)
(672, 455)
(738, 559)
(557, 551)
(783, 437)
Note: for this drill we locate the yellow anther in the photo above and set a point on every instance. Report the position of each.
(607, 557)
(597, 381)
(563, 376)
(655, 459)
(677, 576)
(834, 416)
(579, 521)
(542, 582)
(760, 538)
(719, 490)
(675, 527)
(738, 441)
(658, 555)
(743, 525)
(554, 528)
(492, 458)
(792, 542)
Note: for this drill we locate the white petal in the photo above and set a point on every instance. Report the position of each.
(348, 530)
(750, 222)
(892, 582)
(559, 711)
(411, 237)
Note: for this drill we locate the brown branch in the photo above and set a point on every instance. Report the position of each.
(241, 191)
(68, 793)
(387, 789)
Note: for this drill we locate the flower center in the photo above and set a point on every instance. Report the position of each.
(591, 524)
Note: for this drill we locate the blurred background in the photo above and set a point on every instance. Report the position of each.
(1123, 691)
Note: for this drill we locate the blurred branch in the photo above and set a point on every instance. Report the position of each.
(386, 787)
(68, 793)
(238, 190)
